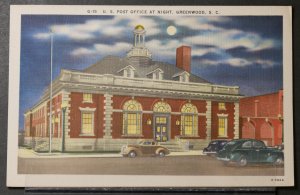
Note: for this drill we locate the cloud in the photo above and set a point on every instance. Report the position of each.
(95, 27)
(42, 36)
(159, 48)
(236, 62)
(102, 49)
(196, 23)
(227, 39)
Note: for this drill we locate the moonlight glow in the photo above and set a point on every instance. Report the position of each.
(171, 30)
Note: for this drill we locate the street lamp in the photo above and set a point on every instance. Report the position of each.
(50, 112)
(64, 106)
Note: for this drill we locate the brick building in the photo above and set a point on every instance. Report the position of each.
(262, 118)
(122, 100)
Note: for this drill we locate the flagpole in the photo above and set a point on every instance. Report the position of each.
(50, 126)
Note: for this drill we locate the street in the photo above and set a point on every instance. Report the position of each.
(170, 165)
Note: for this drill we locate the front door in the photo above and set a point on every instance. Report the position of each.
(161, 129)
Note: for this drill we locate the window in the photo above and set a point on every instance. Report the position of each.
(87, 97)
(161, 107)
(247, 144)
(222, 127)
(222, 106)
(157, 74)
(189, 120)
(132, 118)
(128, 71)
(257, 144)
(87, 123)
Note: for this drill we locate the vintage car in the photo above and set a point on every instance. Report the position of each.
(244, 151)
(280, 147)
(144, 148)
(214, 146)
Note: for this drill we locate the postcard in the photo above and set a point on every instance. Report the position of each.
(150, 96)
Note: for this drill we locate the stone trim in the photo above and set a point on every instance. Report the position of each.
(65, 96)
(108, 110)
(87, 109)
(208, 120)
(222, 115)
(236, 120)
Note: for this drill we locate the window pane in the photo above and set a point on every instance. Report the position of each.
(222, 126)
(132, 124)
(189, 125)
(87, 123)
(222, 106)
(87, 97)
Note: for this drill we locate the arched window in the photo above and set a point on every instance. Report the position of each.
(132, 111)
(161, 107)
(189, 120)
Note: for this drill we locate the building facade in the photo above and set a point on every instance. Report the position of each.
(121, 100)
(262, 118)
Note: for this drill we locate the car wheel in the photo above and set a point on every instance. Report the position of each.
(132, 154)
(278, 161)
(243, 161)
(161, 154)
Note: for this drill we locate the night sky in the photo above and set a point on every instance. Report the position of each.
(240, 50)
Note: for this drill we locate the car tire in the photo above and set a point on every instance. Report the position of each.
(132, 154)
(161, 153)
(242, 161)
(278, 161)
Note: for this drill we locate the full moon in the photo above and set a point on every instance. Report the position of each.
(171, 30)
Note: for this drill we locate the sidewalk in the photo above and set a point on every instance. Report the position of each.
(27, 153)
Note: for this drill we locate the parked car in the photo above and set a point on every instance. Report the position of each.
(214, 147)
(244, 151)
(280, 147)
(144, 148)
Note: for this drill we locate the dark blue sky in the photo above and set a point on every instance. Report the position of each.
(240, 50)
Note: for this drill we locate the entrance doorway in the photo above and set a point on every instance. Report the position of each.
(161, 128)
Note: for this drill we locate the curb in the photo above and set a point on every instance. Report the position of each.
(32, 154)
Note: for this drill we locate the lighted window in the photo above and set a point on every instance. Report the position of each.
(161, 107)
(189, 120)
(132, 118)
(87, 97)
(222, 127)
(222, 106)
(87, 123)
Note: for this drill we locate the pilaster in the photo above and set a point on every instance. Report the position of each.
(108, 110)
(66, 98)
(208, 120)
(236, 120)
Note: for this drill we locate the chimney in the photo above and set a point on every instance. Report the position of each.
(183, 58)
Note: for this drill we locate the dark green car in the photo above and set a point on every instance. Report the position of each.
(245, 151)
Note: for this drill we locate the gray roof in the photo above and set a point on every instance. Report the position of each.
(112, 64)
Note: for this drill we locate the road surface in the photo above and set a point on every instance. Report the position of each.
(170, 165)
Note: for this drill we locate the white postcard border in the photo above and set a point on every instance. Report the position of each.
(42, 180)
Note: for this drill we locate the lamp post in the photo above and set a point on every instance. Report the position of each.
(64, 106)
(50, 110)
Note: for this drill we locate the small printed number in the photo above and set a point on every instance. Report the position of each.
(277, 179)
